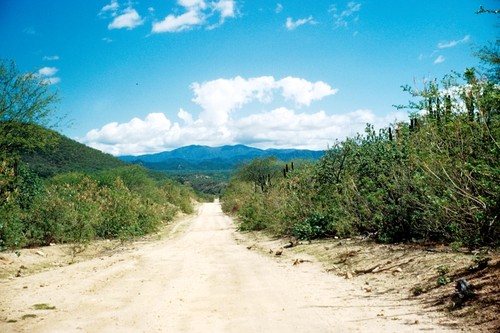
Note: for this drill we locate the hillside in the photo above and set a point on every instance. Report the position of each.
(215, 158)
(69, 155)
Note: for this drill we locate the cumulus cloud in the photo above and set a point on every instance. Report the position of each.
(278, 128)
(220, 121)
(226, 8)
(173, 23)
(136, 136)
(453, 43)
(344, 17)
(52, 80)
(47, 71)
(218, 98)
(129, 19)
(197, 13)
(287, 128)
(186, 116)
(111, 7)
(303, 92)
(48, 75)
(292, 25)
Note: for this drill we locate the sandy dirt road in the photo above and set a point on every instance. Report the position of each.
(199, 279)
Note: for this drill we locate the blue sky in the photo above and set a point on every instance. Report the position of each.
(144, 76)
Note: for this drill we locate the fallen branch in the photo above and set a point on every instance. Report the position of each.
(366, 271)
(377, 269)
(300, 261)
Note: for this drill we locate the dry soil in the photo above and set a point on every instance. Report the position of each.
(203, 276)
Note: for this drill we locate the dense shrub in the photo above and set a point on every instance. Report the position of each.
(435, 179)
(314, 226)
(76, 207)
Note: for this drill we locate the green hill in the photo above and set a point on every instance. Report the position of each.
(69, 155)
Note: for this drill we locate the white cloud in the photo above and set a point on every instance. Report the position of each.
(182, 22)
(111, 7)
(445, 45)
(51, 58)
(303, 92)
(136, 136)
(193, 3)
(186, 116)
(47, 75)
(226, 8)
(277, 128)
(279, 8)
(220, 97)
(52, 80)
(346, 16)
(221, 122)
(292, 25)
(47, 71)
(197, 13)
(440, 59)
(286, 128)
(129, 20)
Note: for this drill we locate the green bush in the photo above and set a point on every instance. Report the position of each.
(76, 207)
(11, 226)
(314, 226)
(435, 179)
(252, 215)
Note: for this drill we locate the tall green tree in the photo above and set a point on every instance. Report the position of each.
(26, 103)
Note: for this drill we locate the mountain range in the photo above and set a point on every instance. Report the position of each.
(197, 157)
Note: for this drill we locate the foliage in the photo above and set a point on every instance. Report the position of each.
(312, 227)
(25, 100)
(434, 179)
(260, 171)
(73, 193)
(206, 184)
(67, 155)
(490, 57)
(443, 278)
(76, 207)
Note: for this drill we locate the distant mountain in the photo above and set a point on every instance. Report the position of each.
(215, 158)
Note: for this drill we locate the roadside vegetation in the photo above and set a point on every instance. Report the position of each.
(436, 178)
(77, 207)
(207, 184)
(55, 190)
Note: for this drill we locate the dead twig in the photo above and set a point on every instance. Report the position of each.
(378, 269)
(300, 261)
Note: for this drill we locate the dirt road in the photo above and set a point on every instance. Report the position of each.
(199, 279)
